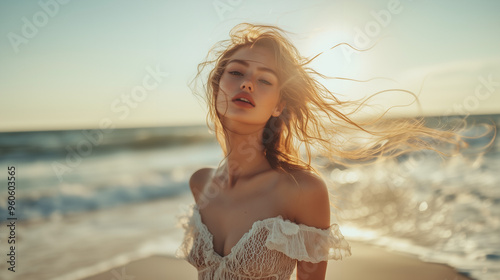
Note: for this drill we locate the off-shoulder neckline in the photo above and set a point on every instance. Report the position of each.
(197, 214)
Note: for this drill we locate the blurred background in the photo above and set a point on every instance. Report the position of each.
(97, 117)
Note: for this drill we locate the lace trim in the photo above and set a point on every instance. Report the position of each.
(306, 243)
(297, 241)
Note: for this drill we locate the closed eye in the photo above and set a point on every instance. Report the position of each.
(236, 73)
(265, 82)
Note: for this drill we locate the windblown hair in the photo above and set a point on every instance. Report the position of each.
(313, 117)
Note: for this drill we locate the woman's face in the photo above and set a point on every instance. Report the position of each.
(249, 87)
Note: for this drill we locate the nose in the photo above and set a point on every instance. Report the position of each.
(247, 85)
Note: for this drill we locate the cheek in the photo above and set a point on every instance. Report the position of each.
(221, 100)
(222, 93)
(229, 84)
(272, 99)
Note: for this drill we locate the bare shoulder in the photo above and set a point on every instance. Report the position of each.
(198, 181)
(312, 205)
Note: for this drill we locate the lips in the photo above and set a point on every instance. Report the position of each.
(243, 98)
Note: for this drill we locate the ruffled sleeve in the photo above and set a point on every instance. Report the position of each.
(185, 221)
(305, 243)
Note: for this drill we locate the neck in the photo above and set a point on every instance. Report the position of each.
(245, 156)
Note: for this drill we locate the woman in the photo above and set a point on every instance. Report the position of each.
(265, 210)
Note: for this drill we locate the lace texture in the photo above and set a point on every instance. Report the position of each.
(269, 250)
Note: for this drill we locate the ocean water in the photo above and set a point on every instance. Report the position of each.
(86, 202)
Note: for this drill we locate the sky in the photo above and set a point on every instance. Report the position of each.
(92, 64)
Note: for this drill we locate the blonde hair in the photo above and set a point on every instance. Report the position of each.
(312, 117)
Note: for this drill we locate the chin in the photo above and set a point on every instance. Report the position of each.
(238, 120)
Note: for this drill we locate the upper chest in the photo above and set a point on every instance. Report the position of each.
(229, 214)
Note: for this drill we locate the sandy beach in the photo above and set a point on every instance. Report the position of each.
(367, 262)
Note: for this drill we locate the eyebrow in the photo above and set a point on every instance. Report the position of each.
(243, 62)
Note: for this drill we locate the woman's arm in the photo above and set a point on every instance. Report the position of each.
(311, 271)
(313, 209)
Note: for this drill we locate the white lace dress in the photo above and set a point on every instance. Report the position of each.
(269, 250)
